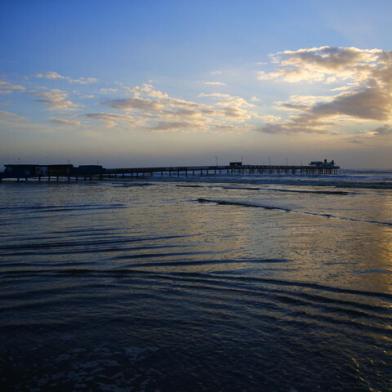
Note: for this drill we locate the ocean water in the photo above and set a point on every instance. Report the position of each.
(199, 284)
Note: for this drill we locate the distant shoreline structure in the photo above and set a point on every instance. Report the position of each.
(70, 172)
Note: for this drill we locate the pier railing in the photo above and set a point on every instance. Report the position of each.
(225, 170)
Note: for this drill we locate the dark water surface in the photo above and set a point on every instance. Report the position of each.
(195, 287)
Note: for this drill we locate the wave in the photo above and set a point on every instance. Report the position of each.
(62, 244)
(243, 204)
(221, 279)
(272, 303)
(70, 207)
(317, 192)
(190, 186)
(286, 209)
(185, 263)
(86, 231)
(338, 181)
(95, 249)
(132, 184)
(250, 188)
(239, 188)
(175, 254)
(345, 218)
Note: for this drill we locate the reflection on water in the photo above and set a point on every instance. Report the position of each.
(112, 287)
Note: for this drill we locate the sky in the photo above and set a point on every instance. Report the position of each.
(146, 83)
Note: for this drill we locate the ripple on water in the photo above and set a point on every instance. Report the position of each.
(139, 288)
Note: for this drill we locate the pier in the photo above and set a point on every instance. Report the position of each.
(56, 173)
(224, 170)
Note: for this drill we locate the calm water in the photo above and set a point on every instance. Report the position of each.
(196, 286)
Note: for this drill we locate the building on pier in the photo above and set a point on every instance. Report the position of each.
(58, 170)
(29, 170)
(20, 170)
(323, 164)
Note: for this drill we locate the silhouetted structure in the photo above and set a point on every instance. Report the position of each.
(324, 163)
(235, 164)
(68, 172)
(20, 171)
(88, 170)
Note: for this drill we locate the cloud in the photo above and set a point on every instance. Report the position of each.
(385, 130)
(10, 117)
(7, 88)
(170, 125)
(147, 90)
(301, 102)
(372, 103)
(214, 95)
(366, 97)
(12, 122)
(56, 99)
(52, 75)
(324, 64)
(65, 121)
(214, 84)
(83, 80)
(135, 104)
(295, 125)
(108, 90)
(375, 136)
(110, 120)
(359, 105)
(157, 110)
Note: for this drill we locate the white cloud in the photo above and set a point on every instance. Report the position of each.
(56, 100)
(108, 90)
(7, 88)
(157, 110)
(52, 75)
(324, 64)
(364, 96)
(214, 84)
(214, 95)
(65, 121)
(111, 120)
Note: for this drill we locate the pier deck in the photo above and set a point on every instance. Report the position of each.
(225, 170)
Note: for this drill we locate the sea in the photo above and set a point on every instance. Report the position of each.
(243, 283)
